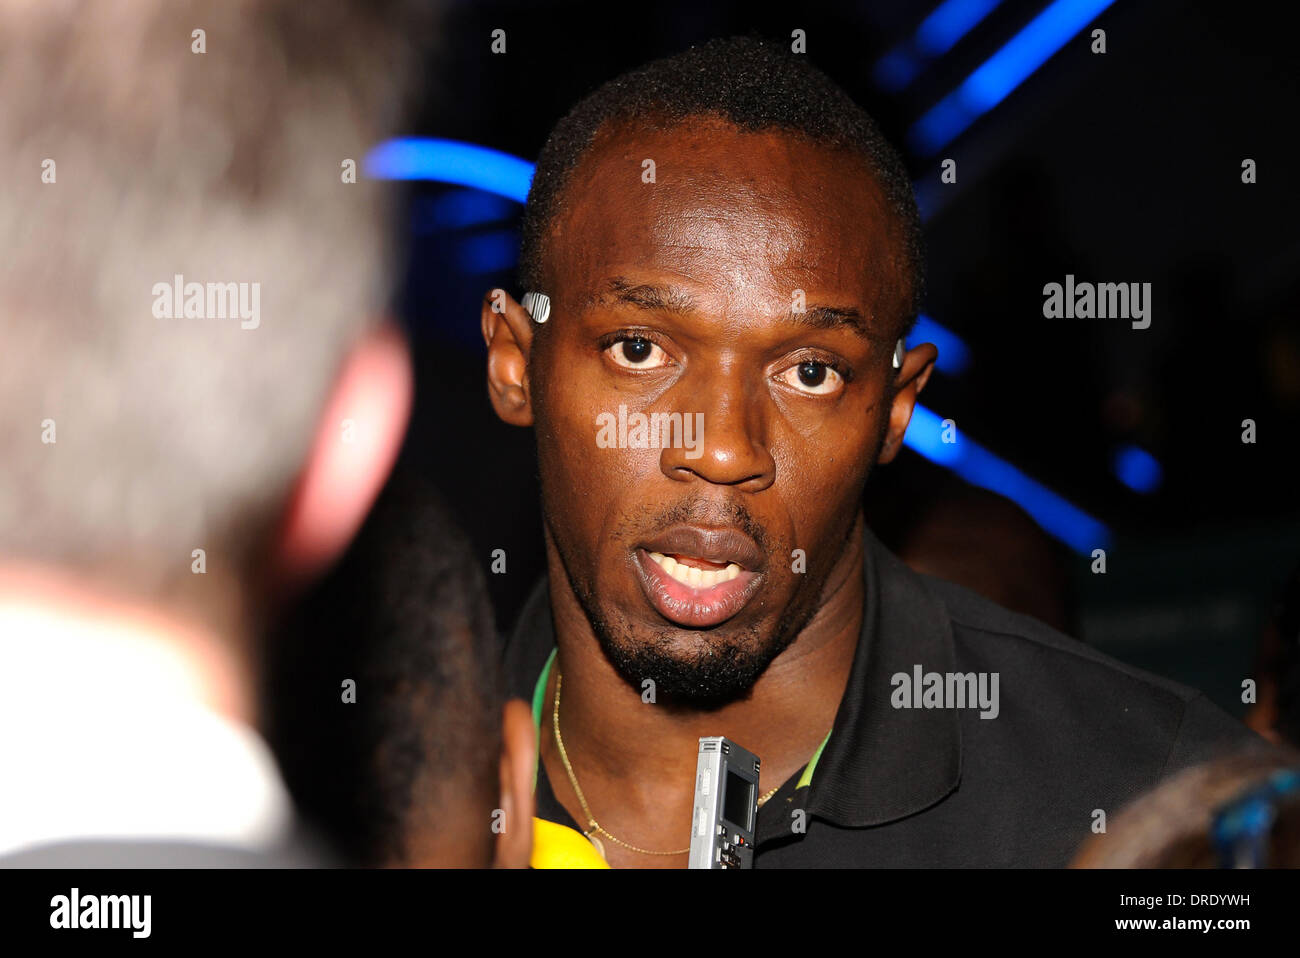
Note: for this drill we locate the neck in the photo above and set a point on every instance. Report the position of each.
(108, 640)
(635, 762)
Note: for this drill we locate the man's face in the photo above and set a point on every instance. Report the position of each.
(754, 287)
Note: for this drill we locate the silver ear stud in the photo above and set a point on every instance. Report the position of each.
(538, 306)
(898, 354)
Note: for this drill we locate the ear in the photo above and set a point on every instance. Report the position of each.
(357, 441)
(514, 846)
(918, 363)
(508, 332)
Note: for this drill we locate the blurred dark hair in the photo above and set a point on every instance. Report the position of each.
(1173, 825)
(405, 615)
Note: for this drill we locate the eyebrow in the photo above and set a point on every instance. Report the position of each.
(670, 299)
(667, 299)
(832, 317)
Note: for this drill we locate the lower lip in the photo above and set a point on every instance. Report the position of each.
(696, 608)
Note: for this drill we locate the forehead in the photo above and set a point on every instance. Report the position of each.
(743, 215)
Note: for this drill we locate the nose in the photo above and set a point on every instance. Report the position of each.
(727, 441)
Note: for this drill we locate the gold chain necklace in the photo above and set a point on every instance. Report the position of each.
(593, 825)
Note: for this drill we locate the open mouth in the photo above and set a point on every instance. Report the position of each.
(695, 572)
(699, 578)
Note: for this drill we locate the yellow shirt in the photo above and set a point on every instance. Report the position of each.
(558, 846)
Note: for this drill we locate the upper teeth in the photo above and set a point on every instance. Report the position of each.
(690, 575)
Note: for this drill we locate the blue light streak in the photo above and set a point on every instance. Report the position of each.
(972, 462)
(1001, 73)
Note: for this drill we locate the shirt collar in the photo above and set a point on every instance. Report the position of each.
(879, 763)
(884, 763)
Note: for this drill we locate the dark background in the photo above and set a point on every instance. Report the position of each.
(1118, 167)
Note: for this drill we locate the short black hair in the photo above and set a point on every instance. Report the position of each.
(406, 615)
(750, 83)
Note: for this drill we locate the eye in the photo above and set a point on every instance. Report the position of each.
(634, 352)
(814, 378)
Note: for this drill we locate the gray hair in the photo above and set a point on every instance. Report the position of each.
(223, 167)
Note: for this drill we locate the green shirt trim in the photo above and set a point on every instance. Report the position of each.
(539, 695)
(806, 778)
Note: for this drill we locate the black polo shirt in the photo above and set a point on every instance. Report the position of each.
(940, 787)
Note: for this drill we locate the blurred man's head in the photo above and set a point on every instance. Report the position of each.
(944, 527)
(723, 234)
(191, 289)
(420, 766)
